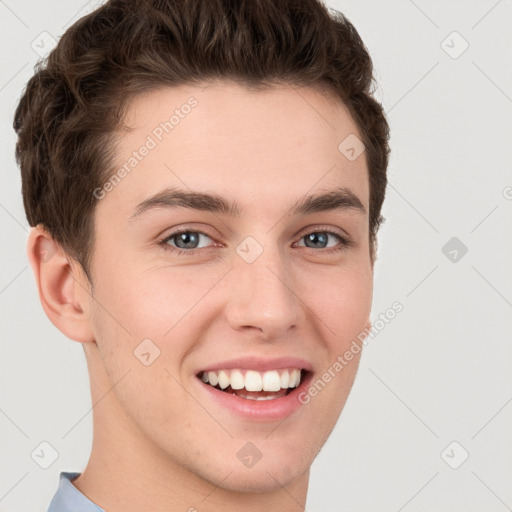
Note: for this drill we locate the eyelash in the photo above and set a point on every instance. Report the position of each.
(344, 242)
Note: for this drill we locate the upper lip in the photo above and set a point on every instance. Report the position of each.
(259, 364)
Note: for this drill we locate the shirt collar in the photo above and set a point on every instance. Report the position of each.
(68, 498)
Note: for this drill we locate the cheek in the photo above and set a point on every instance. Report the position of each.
(342, 299)
(150, 302)
(131, 319)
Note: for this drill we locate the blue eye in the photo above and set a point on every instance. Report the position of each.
(184, 240)
(320, 240)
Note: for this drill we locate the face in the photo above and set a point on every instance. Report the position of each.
(259, 279)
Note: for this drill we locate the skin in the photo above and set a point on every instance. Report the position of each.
(159, 443)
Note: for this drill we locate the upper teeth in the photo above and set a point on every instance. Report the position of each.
(251, 380)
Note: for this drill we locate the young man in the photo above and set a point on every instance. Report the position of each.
(205, 181)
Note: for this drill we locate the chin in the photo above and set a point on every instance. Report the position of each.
(259, 480)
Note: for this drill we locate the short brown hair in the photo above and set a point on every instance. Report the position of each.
(75, 100)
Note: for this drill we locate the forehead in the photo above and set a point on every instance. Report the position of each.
(223, 138)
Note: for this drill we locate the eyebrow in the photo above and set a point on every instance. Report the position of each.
(341, 198)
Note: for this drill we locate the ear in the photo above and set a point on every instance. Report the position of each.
(62, 285)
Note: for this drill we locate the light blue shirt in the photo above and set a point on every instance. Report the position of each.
(69, 499)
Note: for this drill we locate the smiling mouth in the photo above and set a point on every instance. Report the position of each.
(254, 385)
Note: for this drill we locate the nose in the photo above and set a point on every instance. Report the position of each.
(262, 296)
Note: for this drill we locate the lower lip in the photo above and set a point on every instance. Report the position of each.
(259, 410)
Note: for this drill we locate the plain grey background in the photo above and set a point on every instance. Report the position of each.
(434, 386)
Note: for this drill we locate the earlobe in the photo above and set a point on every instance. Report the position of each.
(62, 288)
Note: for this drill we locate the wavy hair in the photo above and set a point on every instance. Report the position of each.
(74, 102)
